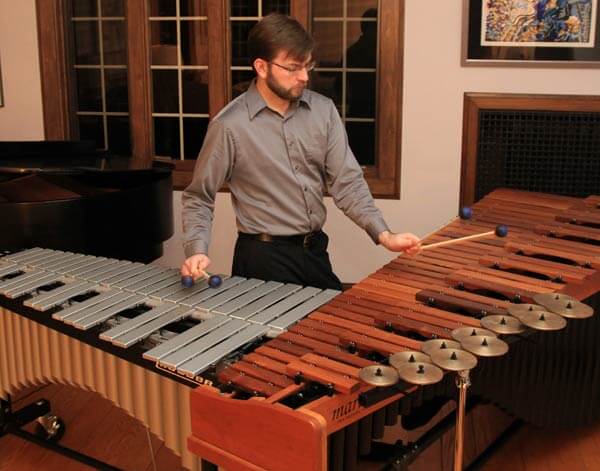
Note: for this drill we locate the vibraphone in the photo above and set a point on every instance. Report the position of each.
(277, 367)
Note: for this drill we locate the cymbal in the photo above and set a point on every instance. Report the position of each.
(430, 346)
(517, 310)
(461, 332)
(564, 305)
(420, 373)
(452, 359)
(400, 359)
(503, 324)
(543, 320)
(485, 346)
(379, 375)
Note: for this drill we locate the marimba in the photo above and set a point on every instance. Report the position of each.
(265, 375)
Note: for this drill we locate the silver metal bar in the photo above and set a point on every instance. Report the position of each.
(185, 338)
(136, 287)
(47, 260)
(103, 274)
(174, 279)
(178, 357)
(10, 269)
(75, 260)
(75, 308)
(167, 291)
(252, 295)
(60, 260)
(105, 314)
(111, 281)
(32, 285)
(136, 322)
(15, 257)
(85, 261)
(273, 297)
(143, 331)
(304, 309)
(185, 293)
(80, 315)
(24, 277)
(60, 298)
(209, 293)
(148, 273)
(201, 362)
(101, 262)
(228, 295)
(43, 297)
(95, 275)
(41, 258)
(276, 310)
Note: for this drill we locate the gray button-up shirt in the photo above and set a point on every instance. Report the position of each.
(278, 169)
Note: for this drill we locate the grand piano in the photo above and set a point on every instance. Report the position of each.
(65, 195)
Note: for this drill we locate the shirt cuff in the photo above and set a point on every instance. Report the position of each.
(195, 247)
(376, 227)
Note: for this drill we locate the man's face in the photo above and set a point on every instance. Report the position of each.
(287, 76)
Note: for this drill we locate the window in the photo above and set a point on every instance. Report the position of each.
(143, 77)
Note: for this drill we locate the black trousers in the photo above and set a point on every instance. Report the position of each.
(285, 261)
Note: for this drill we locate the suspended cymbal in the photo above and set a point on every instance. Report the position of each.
(430, 346)
(503, 324)
(379, 375)
(420, 373)
(543, 320)
(517, 310)
(400, 359)
(452, 359)
(462, 332)
(485, 346)
(564, 305)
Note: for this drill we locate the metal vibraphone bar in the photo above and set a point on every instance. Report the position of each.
(304, 386)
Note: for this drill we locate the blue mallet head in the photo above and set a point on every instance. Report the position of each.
(501, 230)
(214, 281)
(465, 212)
(187, 281)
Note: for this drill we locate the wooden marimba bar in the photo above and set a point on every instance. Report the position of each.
(298, 398)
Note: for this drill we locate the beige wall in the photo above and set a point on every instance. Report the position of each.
(21, 116)
(434, 84)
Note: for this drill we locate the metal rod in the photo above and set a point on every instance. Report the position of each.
(462, 383)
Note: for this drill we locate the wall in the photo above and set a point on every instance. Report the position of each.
(21, 117)
(434, 84)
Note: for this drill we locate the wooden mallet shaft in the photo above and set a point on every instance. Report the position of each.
(500, 231)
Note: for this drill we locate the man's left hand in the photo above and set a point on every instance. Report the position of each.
(405, 242)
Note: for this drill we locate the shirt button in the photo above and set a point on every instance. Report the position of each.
(305, 188)
(296, 167)
(310, 211)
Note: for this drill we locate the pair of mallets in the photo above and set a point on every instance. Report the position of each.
(214, 281)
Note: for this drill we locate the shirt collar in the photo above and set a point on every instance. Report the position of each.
(256, 103)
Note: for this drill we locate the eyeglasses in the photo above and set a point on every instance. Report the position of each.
(296, 69)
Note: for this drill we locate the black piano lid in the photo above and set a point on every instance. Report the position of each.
(83, 201)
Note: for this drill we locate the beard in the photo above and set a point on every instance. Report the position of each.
(290, 94)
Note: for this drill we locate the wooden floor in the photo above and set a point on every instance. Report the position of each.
(99, 429)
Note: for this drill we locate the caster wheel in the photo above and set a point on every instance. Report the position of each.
(50, 428)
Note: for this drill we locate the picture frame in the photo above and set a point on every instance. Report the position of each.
(532, 45)
(1, 93)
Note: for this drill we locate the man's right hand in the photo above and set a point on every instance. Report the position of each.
(195, 266)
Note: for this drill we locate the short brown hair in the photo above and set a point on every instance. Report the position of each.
(277, 32)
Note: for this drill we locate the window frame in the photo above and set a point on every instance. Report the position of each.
(59, 100)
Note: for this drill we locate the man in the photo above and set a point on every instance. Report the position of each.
(280, 147)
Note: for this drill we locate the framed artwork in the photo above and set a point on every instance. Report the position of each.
(531, 33)
(1, 95)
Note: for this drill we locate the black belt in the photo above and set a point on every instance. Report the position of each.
(303, 240)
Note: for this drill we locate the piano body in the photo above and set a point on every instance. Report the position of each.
(257, 375)
(65, 195)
